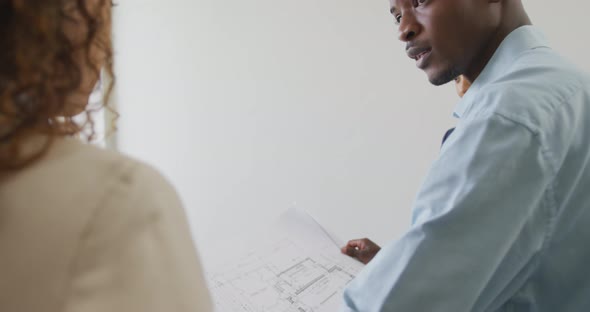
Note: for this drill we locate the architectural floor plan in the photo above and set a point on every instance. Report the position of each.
(299, 269)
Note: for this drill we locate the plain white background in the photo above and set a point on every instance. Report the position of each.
(250, 107)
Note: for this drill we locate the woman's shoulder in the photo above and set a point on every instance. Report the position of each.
(86, 161)
(74, 169)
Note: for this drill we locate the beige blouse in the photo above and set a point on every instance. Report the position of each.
(85, 229)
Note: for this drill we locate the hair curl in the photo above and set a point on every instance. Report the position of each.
(38, 72)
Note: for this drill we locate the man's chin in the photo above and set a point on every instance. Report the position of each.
(439, 78)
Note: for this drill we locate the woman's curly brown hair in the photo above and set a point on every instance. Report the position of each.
(38, 71)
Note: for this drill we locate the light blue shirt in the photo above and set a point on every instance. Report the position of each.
(502, 222)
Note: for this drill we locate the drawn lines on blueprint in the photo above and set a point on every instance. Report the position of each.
(284, 278)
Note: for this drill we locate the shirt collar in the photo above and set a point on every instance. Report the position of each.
(518, 41)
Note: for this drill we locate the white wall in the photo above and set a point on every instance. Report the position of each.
(250, 106)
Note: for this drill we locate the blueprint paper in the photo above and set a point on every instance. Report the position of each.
(294, 266)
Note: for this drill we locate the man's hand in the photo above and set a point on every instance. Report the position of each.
(362, 249)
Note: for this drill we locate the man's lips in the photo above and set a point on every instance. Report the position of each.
(417, 53)
(421, 55)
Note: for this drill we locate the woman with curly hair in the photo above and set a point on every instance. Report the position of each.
(81, 228)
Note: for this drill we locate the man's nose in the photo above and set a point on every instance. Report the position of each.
(409, 27)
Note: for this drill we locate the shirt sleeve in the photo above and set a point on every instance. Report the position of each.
(479, 221)
(136, 253)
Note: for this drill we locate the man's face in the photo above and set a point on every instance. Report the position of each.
(444, 37)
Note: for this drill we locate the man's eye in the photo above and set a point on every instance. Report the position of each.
(398, 18)
(420, 2)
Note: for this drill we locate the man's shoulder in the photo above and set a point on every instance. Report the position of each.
(538, 84)
(539, 74)
(540, 91)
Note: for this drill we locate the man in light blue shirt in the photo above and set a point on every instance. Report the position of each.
(502, 222)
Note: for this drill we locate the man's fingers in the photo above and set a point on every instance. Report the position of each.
(362, 249)
(357, 243)
(351, 251)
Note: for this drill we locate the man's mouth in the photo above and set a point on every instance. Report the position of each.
(417, 52)
(421, 55)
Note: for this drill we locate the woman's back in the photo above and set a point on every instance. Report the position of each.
(84, 229)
